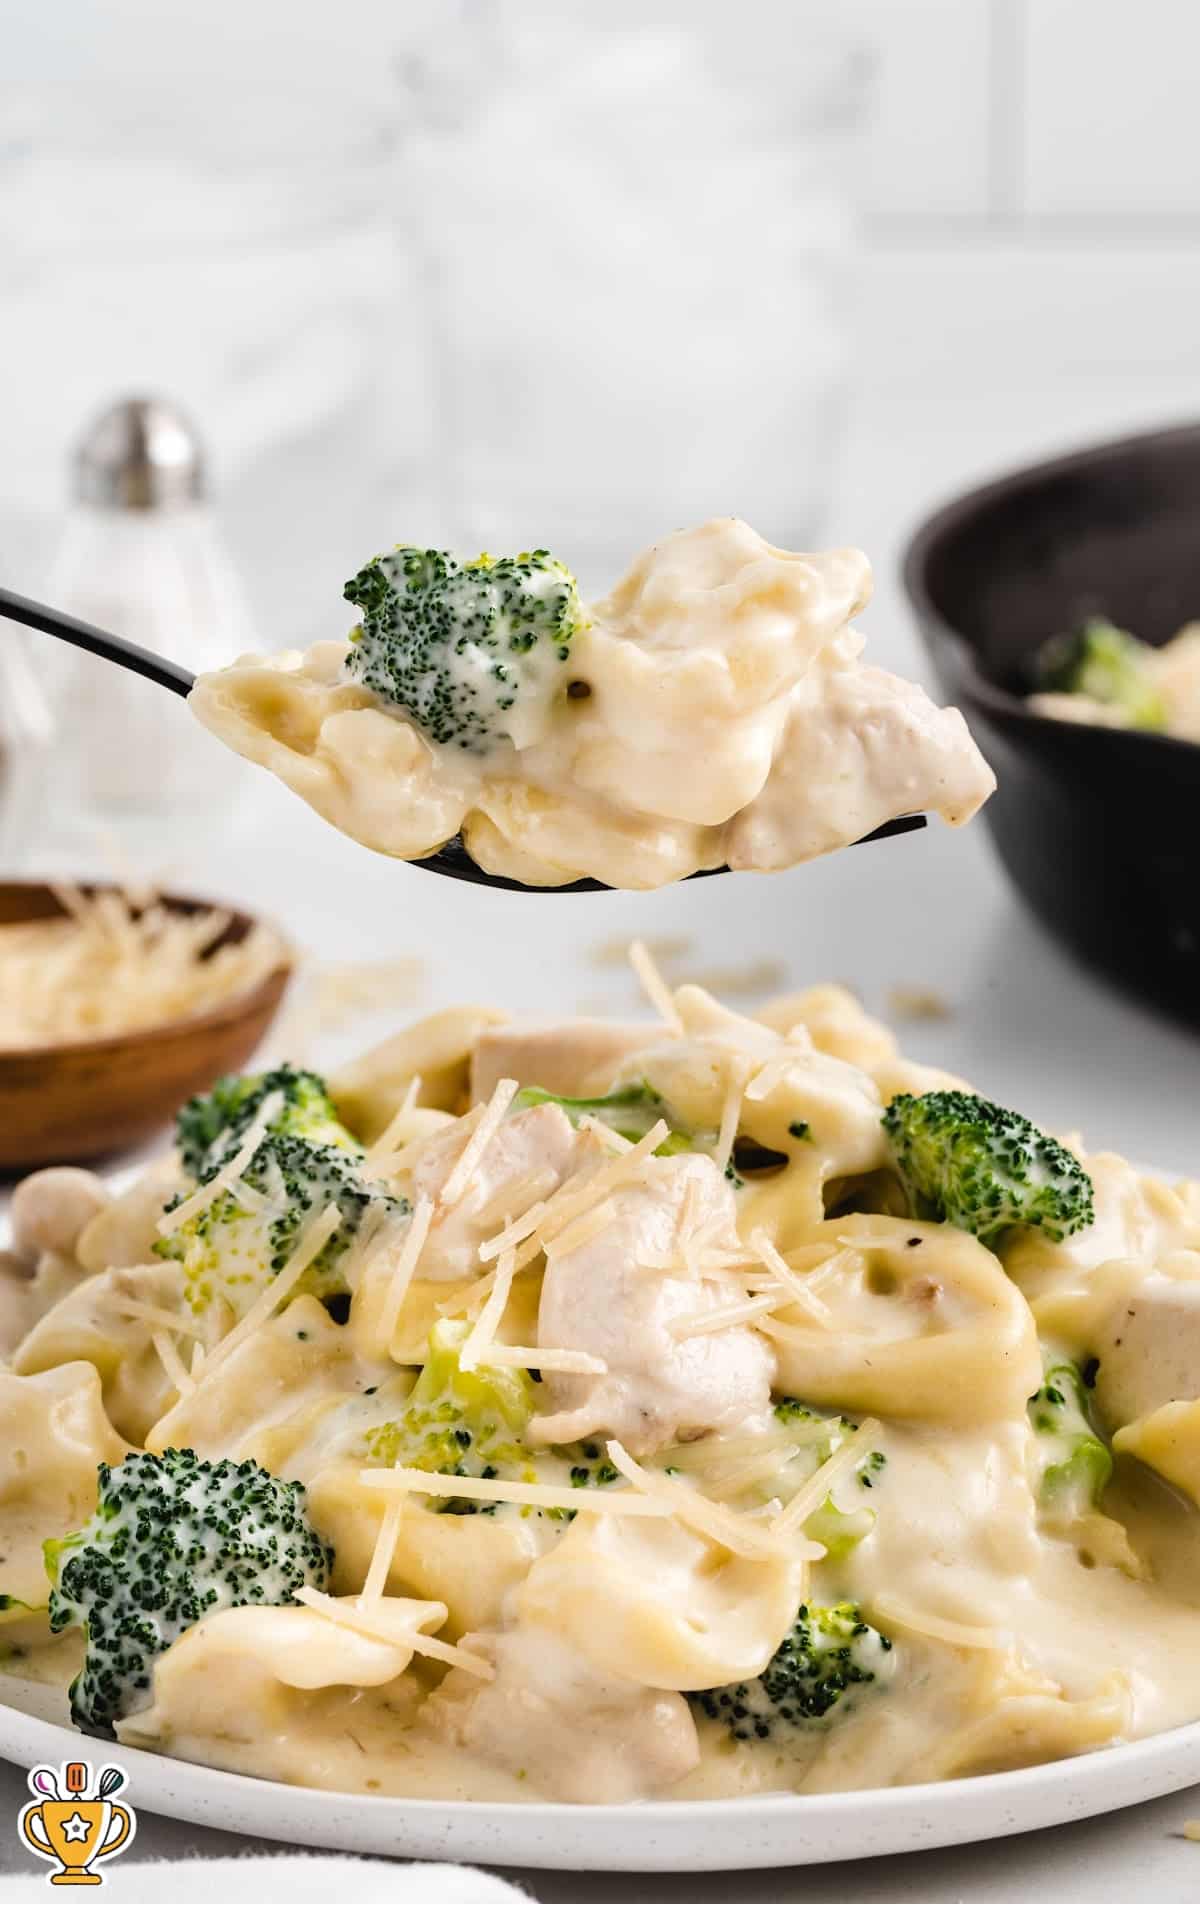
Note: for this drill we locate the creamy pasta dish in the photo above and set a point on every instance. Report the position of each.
(713, 710)
(585, 1410)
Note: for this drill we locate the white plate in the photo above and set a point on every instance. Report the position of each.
(690, 1836)
(684, 1836)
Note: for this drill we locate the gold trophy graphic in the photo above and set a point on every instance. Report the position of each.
(73, 1831)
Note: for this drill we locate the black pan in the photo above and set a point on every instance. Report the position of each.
(1099, 828)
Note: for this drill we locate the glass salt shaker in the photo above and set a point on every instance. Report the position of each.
(141, 555)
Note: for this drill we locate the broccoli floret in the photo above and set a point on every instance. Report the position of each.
(631, 1109)
(472, 1422)
(836, 1529)
(1076, 1464)
(457, 1421)
(234, 1249)
(306, 1160)
(473, 651)
(211, 1126)
(815, 1673)
(172, 1539)
(1106, 664)
(968, 1162)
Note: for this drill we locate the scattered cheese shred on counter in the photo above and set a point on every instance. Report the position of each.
(655, 986)
(105, 966)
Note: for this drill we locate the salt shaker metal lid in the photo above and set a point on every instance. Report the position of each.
(141, 453)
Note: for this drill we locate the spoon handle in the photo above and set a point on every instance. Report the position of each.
(97, 641)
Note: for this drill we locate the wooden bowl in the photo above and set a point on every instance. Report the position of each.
(62, 1104)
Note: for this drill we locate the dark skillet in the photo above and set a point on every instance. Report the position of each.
(1099, 828)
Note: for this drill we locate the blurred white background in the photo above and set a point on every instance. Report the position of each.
(218, 203)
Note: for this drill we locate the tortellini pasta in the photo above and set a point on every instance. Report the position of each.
(667, 1443)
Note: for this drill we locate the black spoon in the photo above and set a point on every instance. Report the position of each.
(452, 860)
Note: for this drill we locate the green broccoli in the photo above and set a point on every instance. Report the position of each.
(473, 651)
(172, 1539)
(1107, 664)
(211, 1126)
(1076, 1464)
(233, 1247)
(815, 1673)
(838, 1530)
(967, 1162)
(305, 1160)
(472, 1422)
(631, 1109)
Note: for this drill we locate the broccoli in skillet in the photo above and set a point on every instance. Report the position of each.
(172, 1539)
(968, 1162)
(474, 652)
(1105, 664)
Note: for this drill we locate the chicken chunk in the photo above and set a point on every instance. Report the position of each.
(530, 1156)
(860, 746)
(577, 1734)
(611, 1297)
(1149, 1350)
(578, 1058)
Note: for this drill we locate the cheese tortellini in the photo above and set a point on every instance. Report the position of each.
(666, 1442)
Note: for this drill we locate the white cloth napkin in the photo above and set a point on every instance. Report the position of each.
(293, 1879)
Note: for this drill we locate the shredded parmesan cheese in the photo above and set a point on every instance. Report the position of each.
(483, 1333)
(310, 1246)
(798, 1291)
(708, 1518)
(390, 1139)
(405, 1267)
(655, 986)
(726, 1316)
(738, 1073)
(560, 1362)
(228, 1174)
(381, 1557)
(817, 1487)
(584, 1228)
(173, 1363)
(367, 1621)
(546, 1221)
(137, 1311)
(471, 1156)
(595, 1501)
(115, 962)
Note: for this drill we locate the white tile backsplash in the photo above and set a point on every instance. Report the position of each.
(1110, 109)
(929, 150)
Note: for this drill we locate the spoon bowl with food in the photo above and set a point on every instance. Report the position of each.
(711, 714)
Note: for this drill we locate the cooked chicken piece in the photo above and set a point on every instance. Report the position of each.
(576, 1734)
(611, 1297)
(577, 1058)
(530, 1154)
(1149, 1350)
(859, 746)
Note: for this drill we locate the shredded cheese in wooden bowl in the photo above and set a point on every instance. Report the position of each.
(105, 964)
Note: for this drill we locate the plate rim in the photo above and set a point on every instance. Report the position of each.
(761, 1831)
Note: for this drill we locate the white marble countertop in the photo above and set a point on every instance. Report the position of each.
(1025, 1024)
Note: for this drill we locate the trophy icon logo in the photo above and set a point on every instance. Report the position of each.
(72, 1826)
